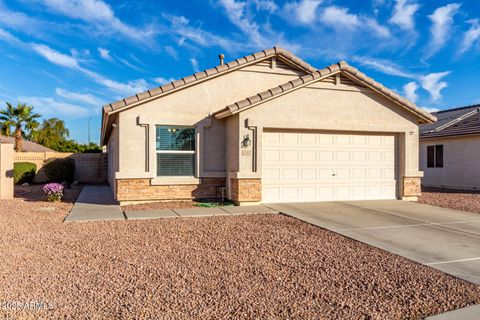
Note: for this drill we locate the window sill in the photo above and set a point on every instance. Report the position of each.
(159, 181)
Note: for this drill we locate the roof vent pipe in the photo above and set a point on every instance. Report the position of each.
(221, 56)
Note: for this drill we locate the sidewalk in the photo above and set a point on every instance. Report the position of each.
(96, 203)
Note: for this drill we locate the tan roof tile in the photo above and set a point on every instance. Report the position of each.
(222, 68)
(130, 99)
(200, 75)
(156, 91)
(211, 71)
(143, 95)
(178, 83)
(189, 79)
(167, 87)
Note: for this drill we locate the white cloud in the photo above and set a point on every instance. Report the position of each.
(431, 83)
(161, 81)
(430, 109)
(471, 37)
(10, 38)
(171, 52)
(56, 57)
(384, 66)
(442, 22)
(339, 18)
(342, 20)
(304, 11)
(194, 64)
(131, 87)
(266, 5)
(98, 13)
(79, 97)
(129, 64)
(105, 54)
(47, 106)
(180, 26)
(410, 91)
(236, 13)
(403, 14)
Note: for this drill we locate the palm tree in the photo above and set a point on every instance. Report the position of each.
(21, 118)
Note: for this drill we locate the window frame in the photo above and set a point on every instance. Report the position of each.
(194, 151)
(435, 156)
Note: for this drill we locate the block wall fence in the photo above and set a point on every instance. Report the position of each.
(89, 167)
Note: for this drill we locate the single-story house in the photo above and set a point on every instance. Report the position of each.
(27, 146)
(450, 149)
(267, 127)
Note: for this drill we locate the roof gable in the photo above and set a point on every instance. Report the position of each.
(343, 70)
(284, 59)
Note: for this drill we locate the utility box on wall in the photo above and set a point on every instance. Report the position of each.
(6, 171)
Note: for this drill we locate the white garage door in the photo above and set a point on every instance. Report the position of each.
(301, 166)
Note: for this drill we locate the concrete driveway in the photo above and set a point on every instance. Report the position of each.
(444, 239)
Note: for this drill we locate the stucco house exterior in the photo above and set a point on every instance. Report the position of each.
(268, 127)
(450, 149)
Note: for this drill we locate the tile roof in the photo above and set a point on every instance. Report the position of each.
(453, 122)
(177, 84)
(28, 146)
(336, 68)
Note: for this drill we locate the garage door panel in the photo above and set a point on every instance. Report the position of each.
(327, 166)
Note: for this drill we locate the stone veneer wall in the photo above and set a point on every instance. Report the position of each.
(412, 187)
(245, 190)
(142, 190)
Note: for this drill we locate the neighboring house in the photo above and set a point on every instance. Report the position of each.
(27, 146)
(270, 128)
(450, 149)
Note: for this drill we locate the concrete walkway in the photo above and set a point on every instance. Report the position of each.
(444, 239)
(467, 313)
(196, 212)
(95, 203)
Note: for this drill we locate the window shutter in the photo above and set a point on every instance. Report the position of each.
(430, 156)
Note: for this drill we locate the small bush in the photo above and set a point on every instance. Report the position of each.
(59, 170)
(53, 191)
(23, 172)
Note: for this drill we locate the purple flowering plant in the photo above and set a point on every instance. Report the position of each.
(53, 191)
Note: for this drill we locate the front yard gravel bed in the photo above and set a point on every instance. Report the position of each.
(241, 267)
(457, 201)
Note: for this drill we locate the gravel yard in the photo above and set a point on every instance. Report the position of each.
(252, 266)
(457, 201)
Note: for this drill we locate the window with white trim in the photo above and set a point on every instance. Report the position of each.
(175, 148)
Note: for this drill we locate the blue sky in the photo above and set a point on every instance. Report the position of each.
(69, 57)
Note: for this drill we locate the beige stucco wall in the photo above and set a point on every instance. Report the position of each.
(330, 107)
(461, 168)
(113, 159)
(191, 107)
(6, 171)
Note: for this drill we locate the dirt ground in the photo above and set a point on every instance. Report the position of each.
(247, 267)
(453, 200)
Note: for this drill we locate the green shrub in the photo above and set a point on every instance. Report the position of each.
(59, 170)
(23, 172)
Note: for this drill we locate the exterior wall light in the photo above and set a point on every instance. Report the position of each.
(246, 142)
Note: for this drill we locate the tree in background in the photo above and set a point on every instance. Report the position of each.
(51, 133)
(21, 118)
